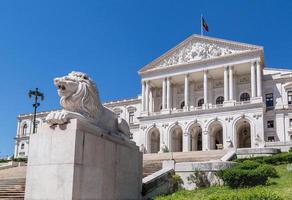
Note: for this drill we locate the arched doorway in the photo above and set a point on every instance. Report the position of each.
(243, 134)
(154, 141)
(195, 137)
(176, 135)
(216, 135)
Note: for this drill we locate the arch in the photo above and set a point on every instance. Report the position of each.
(176, 138)
(200, 102)
(244, 96)
(182, 104)
(153, 140)
(220, 100)
(24, 129)
(215, 130)
(195, 139)
(242, 133)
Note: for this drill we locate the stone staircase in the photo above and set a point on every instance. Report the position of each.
(12, 188)
(150, 168)
(153, 162)
(12, 183)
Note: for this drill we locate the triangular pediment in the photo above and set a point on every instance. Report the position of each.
(199, 48)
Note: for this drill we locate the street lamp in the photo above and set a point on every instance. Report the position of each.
(36, 93)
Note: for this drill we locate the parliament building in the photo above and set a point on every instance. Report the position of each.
(205, 93)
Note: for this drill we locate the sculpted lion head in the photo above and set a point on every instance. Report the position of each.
(78, 94)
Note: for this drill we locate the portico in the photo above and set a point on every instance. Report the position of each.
(181, 92)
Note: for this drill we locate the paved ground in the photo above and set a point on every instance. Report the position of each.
(14, 172)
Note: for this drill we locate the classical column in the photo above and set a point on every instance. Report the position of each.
(186, 91)
(163, 93)
(226, 87)
(151, 99)
(168, 97)
(205, 87)
(147, 97)
(205, 141)
(231, 82)
(259, 79)
(143, 95)
(186, 142)
(253, 80)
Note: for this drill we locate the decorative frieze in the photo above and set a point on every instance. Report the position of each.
(195, 51)
(218, 84)
(243, 79)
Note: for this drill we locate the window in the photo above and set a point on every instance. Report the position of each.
(290, 97)
(271, 139)
(22, 146)
(131, 117)
(200, 102)
(182, 105)
(290, 122)
(270, 124)
(24, 129)
(36, 126)
(244, 97)
(291, 137)
(269, 100)
(118, 112)
(219, 100)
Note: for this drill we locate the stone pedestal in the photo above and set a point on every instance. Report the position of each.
(81, 161)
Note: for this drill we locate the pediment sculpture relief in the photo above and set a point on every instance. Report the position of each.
(194, 51)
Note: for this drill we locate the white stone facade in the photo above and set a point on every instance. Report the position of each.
(205, 93)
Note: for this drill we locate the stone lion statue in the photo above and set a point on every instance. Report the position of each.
(80, 99)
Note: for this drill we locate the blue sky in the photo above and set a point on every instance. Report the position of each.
(112, 40)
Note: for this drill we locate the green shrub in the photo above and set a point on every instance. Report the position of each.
(281, 158)
(250, 194)
(249, 164)
(247, 174)
(20, 160)
(177, 182)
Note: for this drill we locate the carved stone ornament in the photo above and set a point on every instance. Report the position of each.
(195, 51)
(80, 99)
(143, 128)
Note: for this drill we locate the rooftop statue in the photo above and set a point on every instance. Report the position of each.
(80, 99)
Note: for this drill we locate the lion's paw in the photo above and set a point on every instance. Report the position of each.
(57, 117)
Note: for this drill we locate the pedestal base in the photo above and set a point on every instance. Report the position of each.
(81, 161)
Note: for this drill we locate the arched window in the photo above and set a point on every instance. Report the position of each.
(219, 100)
(24, 129)
(182, 105)
(200, 102)
(244, 97)
(22, 146)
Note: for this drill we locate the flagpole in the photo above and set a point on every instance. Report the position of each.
(202, 31)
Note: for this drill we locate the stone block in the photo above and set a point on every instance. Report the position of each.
(82, 162)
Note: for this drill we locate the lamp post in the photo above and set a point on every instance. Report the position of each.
(36, 93)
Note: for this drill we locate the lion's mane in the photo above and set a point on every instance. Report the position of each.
(86, 99)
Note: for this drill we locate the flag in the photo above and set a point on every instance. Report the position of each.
(204, 24)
